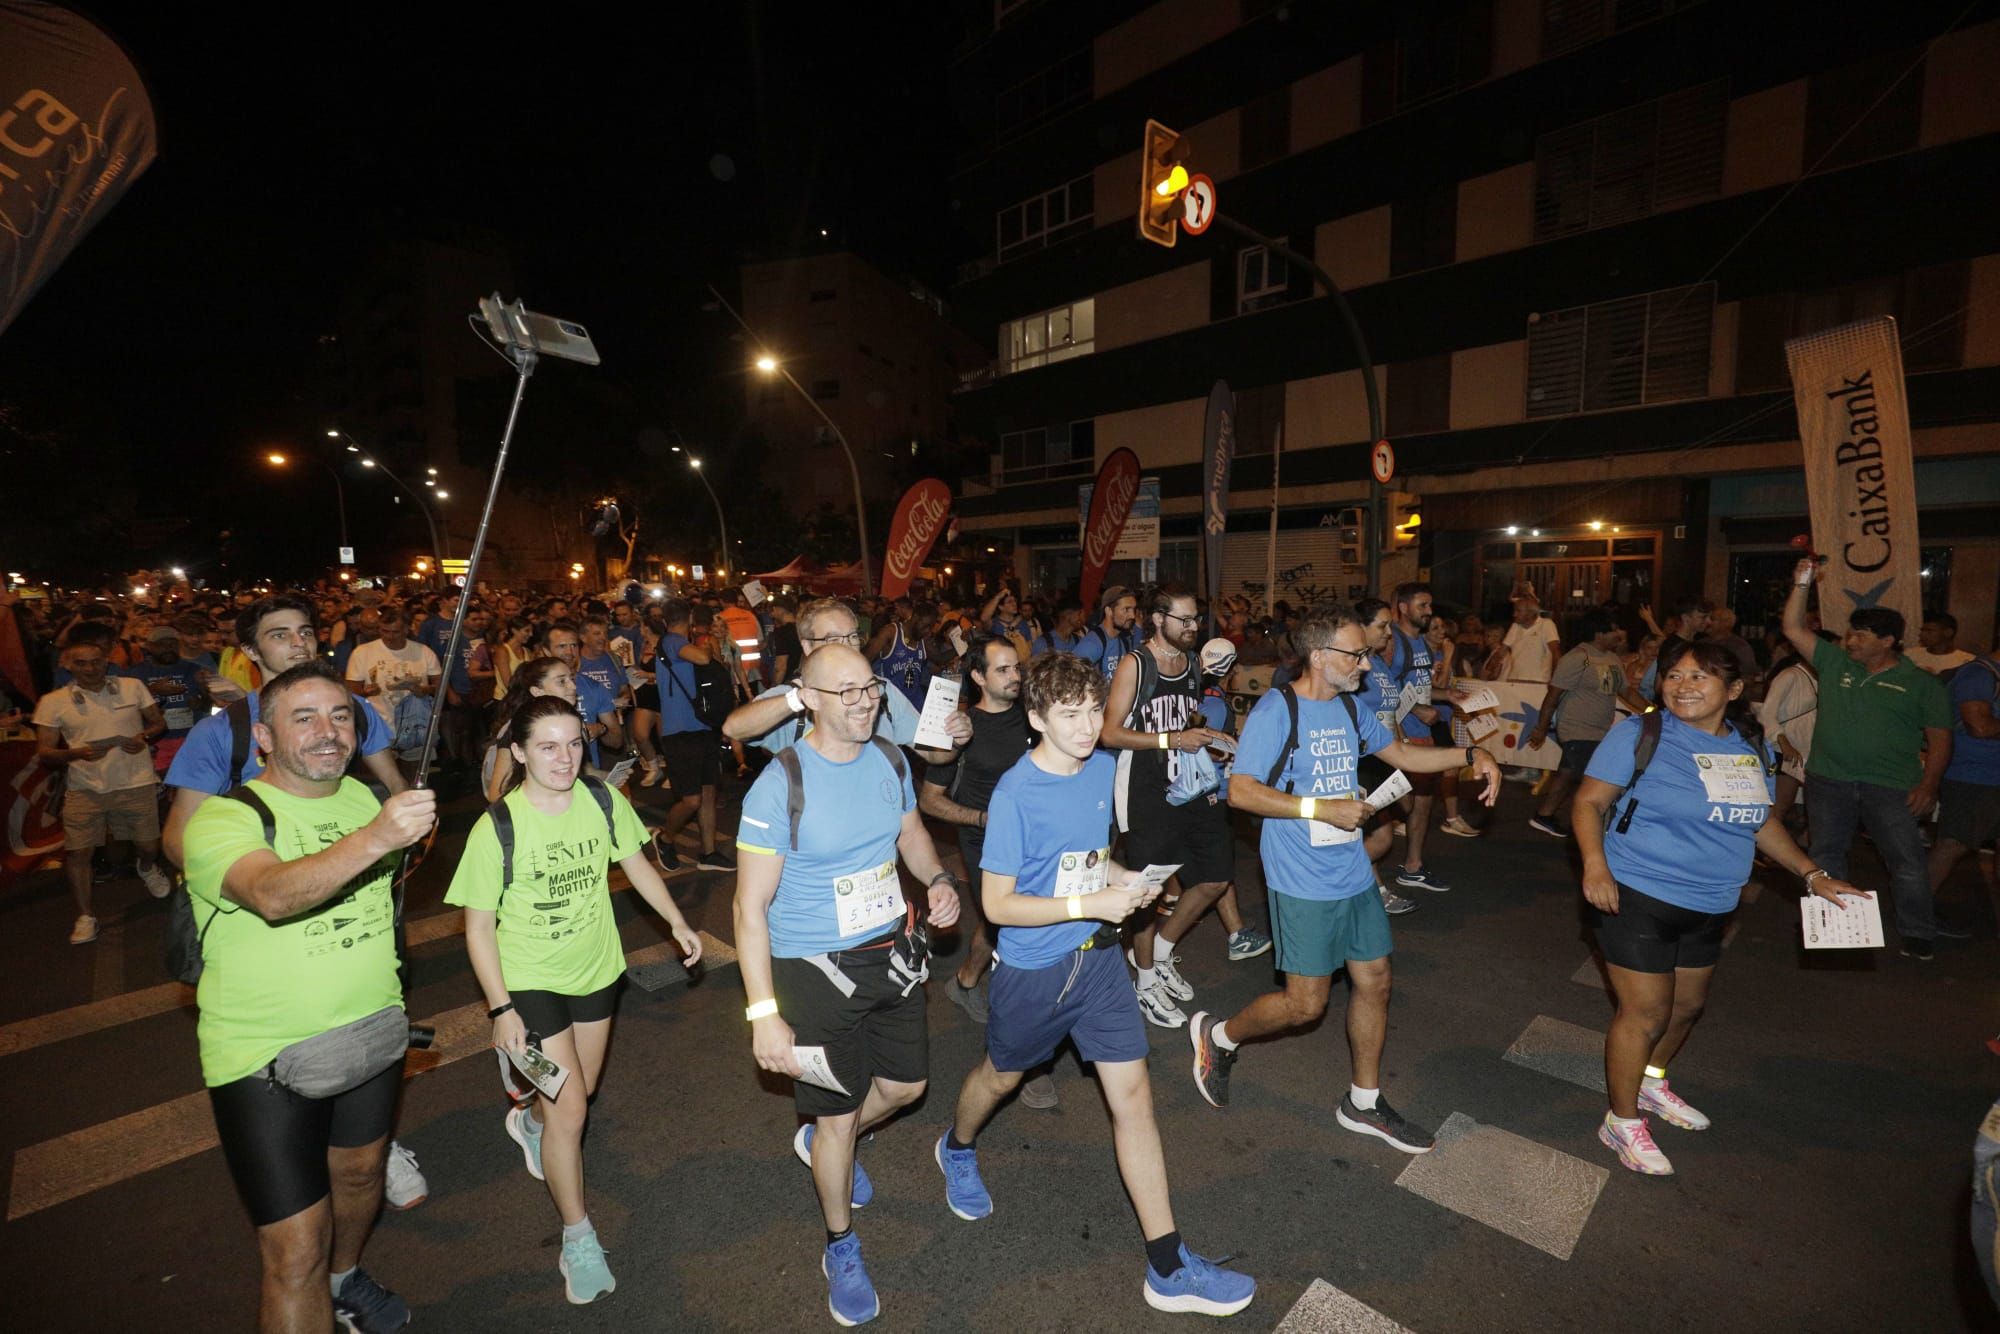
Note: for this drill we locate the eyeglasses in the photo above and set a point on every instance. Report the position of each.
(1186, 620)
(852, 639)
(853, 695)
(1359, 655)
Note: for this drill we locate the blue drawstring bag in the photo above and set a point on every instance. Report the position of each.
(1199, 775)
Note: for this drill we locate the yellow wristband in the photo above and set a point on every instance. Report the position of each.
(1166, 740)
(1307, 807)
(763, 1009)
(1076, 906)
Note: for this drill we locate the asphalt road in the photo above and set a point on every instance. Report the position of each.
(1831, 1193)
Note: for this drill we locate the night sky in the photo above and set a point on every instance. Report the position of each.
(172, 345)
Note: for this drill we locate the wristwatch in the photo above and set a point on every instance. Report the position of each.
(1471, 756)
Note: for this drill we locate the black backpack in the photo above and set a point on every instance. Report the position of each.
(1650, 725)
(1291, 694)
(184, 940)
(795, 779)
(242, 741)
(503, 827)
(714, 695)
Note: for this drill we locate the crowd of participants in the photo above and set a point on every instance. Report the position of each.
(1091, 786)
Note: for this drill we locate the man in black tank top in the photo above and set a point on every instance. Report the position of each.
(1153, 719)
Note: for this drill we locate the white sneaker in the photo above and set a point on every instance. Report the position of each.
(405, 1187)
(1159, 1007)
(1670, 1107)
(157, 882)
(1634, 1147)
(1167, 975)
(84, 931)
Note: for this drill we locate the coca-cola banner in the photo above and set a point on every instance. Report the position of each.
(919, 519)
(76, 128)
(1111, 498)
(27, 801)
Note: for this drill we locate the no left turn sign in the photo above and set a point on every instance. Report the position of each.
(1382, 461)
(1198, 204)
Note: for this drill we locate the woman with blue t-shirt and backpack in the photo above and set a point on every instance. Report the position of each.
(1671, 810)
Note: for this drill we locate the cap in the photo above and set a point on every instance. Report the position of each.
(162, 634)
(1112, 594)
(1218, 655)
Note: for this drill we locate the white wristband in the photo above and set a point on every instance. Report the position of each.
(795, 701)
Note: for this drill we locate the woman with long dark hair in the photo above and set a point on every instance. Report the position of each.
(1665, 855)
(535, 679)
(544, 944)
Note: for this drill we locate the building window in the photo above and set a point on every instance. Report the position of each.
(1928, 305)
(1569, 24)
(1423, 231)
(1266, 128)
(1066, 449)
(1050, 335)
(1419, 397)
(1620, 354)
(1860, 111)
(1260, 415)
(1044, 94)
(1631, 163)
(826, 389)
(1439, 49)
(1261, 279)
(1044, 219)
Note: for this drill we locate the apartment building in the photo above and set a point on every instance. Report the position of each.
(1576, 234)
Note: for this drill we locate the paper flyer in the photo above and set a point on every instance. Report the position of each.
(940, 702)
(1858, 926)
(1394, 788)
(816, 1070)
(541, 1070)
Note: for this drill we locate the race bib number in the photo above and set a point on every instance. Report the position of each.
(868, 901)
(1422, 690)
(1320, 834)
(179, 720)
(1735, 780)
(1082, 872)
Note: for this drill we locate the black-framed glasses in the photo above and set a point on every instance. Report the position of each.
(853, 695)
(852, 639)
(1359, 655)
(1186, 620)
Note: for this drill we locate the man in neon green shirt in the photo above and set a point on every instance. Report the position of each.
(297, 940)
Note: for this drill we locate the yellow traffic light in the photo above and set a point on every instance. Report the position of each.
(1406, 519)
(1162, 179)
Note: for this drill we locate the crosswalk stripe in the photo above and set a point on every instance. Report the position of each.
(113, 1010)
(1325, 1309)
(1567, 1051)
(105, 1154)
(1534, 1194)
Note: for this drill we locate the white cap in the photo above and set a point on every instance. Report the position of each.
(1218, 655)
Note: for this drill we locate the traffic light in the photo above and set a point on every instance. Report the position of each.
(1162, 179)
(1406, 519)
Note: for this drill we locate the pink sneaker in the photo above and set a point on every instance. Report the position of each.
(1635, 1148)
(1670, 1107)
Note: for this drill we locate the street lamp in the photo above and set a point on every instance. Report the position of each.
(369, 461)
(770, 365)
(721, 524)
(278, 460)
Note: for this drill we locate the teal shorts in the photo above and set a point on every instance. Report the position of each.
(1319, 937)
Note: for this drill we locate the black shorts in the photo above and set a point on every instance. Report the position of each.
(691, 760)
(878, 1031)
(647, 697)
(1649, 935)
(547, 1013)
(275, 1140)
(1196, 837)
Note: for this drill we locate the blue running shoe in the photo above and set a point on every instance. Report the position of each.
(364, 1306)
(1201, 1286)
(864, 1189)
(586, 1275)
(849, 1293)
(529, 1140)
(963, 1190)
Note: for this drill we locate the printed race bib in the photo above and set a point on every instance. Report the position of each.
(1735, 780)
(1082, 872)
(870, 900)
(1320, 834)
(179, 720)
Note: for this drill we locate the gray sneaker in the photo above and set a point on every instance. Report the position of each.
(1384, 1123)
(1247, 944)
(1395, 904)
(970, 999)
(1040, 1092)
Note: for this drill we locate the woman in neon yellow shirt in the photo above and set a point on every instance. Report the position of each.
(535, 886)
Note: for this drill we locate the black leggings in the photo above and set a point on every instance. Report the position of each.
(276, 1140)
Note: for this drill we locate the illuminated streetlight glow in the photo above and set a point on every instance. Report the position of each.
(177, 572)
(694, 462)
(275, 459)
(767, 364)
(367, 462)
(444, 495)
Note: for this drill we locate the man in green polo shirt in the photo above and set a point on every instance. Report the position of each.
(290, 878)
(1879, 752)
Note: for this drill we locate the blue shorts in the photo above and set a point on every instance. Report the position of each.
(1319, 937)
(1086, 996)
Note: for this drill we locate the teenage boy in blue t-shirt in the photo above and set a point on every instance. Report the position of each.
(1304, 782)
(1049, 884)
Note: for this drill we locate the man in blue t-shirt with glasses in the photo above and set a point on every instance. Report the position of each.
(1048, 883)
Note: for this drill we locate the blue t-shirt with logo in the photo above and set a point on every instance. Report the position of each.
(853, 817)
(1039, 825)
(202, 762)
(1974, 760)
(1682, 847)
(593, 701)
(1322, 766)
(1409, 665)
(1377, 693)
(1055, 643)
(675, 675)
(434, 634)
(178, 692)
(604, 670)
(1093, 645)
